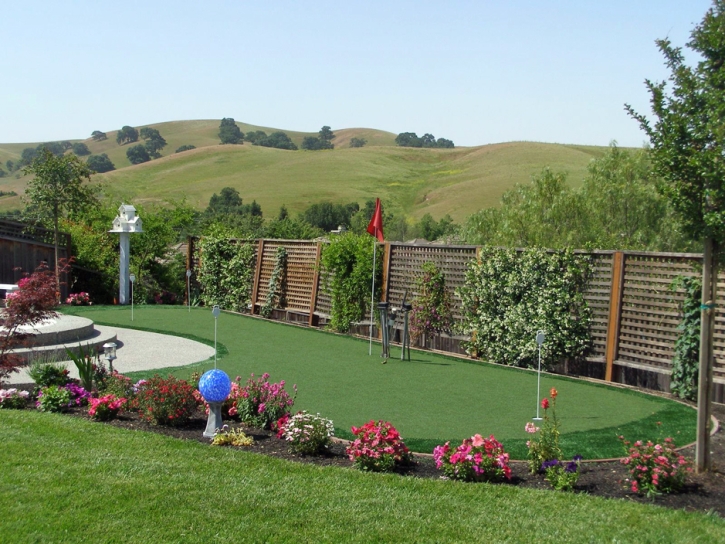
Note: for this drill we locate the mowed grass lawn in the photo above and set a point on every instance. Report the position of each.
(430, 399)
(67, 479)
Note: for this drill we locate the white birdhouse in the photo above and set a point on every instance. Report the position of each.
(126, 220)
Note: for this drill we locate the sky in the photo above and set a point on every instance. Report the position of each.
(475, 72)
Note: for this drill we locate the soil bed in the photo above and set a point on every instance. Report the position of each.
(702, 492)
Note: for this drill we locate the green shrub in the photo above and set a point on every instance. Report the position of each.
(508, 296)
(685, 364)
(13, 399)
(46, 374)
(348, 259)
(431, 313)
(226, 271)
(53, 398)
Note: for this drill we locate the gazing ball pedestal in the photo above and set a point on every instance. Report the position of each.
(214, 386)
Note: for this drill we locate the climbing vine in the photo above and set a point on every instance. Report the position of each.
(508, 296)
(684, 377)
(225, 272)
(275, 292)
(348, 259)
(431, 313)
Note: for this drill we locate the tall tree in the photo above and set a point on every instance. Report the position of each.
(127, 135)
(57, 189)
(97, 135)
(229, 132)
(688, 143)
(137, 154)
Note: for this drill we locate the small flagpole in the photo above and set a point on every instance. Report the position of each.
(372, 294)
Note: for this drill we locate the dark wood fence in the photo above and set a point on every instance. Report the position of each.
(635, 313)
(23, 248)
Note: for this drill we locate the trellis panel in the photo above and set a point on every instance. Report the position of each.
(597, 296)
(406, 263)
(300, 272)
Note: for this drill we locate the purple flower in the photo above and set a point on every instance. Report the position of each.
(549, 464)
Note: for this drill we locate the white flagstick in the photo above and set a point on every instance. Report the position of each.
(372, 294)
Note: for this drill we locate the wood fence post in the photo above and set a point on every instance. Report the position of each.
(386, 271)
(615, 313)
(315, 285)
(257, 273)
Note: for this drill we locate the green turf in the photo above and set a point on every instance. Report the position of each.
(67, 479)
(430, 399)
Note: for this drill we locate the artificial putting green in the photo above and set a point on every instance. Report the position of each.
(430, 399)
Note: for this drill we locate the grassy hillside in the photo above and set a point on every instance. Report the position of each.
(456, 181)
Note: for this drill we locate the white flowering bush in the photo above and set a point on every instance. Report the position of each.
(308, 434)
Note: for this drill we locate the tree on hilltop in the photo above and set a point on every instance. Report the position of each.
(358, 142)
(229, 132)
(127, 135)
(138, 154)
(154, 141)
(81, 149)
(97, 136)
(100, 163)
(323, 140)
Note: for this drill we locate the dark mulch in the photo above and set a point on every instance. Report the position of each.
(703, 492)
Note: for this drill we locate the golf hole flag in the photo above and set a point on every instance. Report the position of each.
(376, 223)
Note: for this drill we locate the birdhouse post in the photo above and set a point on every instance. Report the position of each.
(124, 224)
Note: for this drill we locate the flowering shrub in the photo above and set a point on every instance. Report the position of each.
(260, 403)
(53, 399)
(45, 374)
(118, 385)
(562, 476)
(431, 313)
(79, 299)
(654, 468)
(12, 398)
(106, 407)
(544, 446)
(378, 447)
(78, 395)
(227, 436)
(164, 401)
(307, 434)
(477, 459)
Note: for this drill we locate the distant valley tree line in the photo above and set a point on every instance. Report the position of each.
(411, 139)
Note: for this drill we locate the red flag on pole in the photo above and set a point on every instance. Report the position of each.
(376, 223)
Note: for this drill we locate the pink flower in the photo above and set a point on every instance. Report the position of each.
(477, 441)
(531, 428)
(545, 403)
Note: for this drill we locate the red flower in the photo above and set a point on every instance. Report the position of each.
(545, 403)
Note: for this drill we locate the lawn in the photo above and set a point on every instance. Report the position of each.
(430, 399)
(67, 479)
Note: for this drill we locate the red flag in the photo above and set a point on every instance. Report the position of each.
(376, 223)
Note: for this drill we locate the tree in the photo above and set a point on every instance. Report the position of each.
(100, 163)
(98, 136)
(127, 135)
(137, 154)
(187, 147)
(278, 140)
(687, 141)
(56, 148)
(445, 144)
(229, 132)
(408, 139)
(428, 140)
(326, 136)
(323, 140)
(33, 303)
(56, 190)
(227, 201)
(81, 149)
(255, 137)
(10, 165)
(283, 213)
(358, 142)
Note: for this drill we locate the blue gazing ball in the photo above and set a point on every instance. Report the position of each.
(215, 385)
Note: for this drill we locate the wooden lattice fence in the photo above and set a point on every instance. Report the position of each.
(635, 314)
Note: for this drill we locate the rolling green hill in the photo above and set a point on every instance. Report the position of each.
(456, 181)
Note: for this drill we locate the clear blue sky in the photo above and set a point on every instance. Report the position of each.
(475, 72)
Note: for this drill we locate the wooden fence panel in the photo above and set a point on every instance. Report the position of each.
(299, 275)
(597, 296)
(406, 263)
